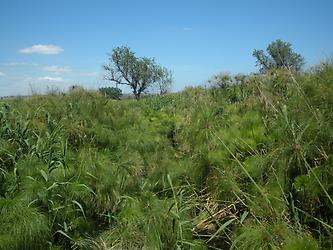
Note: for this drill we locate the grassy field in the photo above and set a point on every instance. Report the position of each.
(247, 166)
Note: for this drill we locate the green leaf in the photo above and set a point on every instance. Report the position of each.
(80, 206)
(64, 234)
(222, 228)
(244, 215)
(44, 175)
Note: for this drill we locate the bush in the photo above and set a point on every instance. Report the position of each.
(111, 92)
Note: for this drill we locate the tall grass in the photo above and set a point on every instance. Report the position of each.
(242, 166)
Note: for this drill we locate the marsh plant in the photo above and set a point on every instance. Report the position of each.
(246, 165)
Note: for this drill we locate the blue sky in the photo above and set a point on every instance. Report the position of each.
(64, 42)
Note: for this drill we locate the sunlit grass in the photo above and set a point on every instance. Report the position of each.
(246, 166)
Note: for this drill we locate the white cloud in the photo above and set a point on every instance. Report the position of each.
(2, 74)
(51, 79)
(44, 49)
(57, 69)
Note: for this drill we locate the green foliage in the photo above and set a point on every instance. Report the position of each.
(138, 73)
(244, 166)
(300, 243)
(111, 92)
(275, 236)
(22, 226)
(280, 56)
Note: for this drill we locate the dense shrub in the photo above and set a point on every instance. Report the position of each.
(244, 166)
(112, 92)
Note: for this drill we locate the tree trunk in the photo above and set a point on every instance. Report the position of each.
(136, 94)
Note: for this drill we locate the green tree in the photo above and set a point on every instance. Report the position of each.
(112, 92)
(221, 80)
(280, 55)
(165, 82)
(138, 73)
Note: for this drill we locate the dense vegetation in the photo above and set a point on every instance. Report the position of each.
(111, 92)
(240, 166)
(280, 55)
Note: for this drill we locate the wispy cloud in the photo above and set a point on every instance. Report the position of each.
(44, 49)
(11, 64)
(2, 74)
(51, 79)
(187, 29)
(57, 69)
(88, 73)
(18, 64)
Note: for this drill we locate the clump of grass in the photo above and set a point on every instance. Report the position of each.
(22, 226)
(278, 235)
